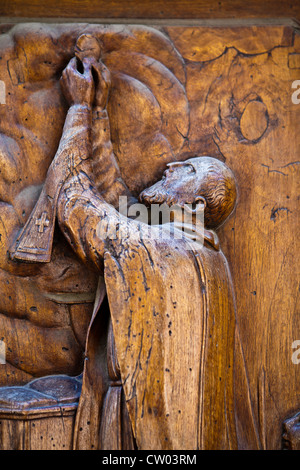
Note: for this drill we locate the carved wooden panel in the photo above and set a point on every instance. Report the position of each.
(150, 9)
(176, 92)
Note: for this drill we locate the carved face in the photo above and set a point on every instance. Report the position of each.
(192, 181)
(177, 186)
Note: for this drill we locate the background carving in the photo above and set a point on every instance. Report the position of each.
(232, 89)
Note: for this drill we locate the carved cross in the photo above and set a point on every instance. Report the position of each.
(42, 222)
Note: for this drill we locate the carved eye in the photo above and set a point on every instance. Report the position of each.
(190, 169)
(181, 166)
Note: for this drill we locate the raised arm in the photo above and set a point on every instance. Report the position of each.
(106, 172)
(85, 83)
(87, 221)
(35, 241)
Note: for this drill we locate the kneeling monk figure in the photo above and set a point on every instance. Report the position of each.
(169, 377)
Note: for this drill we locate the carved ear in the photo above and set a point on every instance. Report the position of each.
(200, 204)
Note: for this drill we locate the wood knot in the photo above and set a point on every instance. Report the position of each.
(254, 120)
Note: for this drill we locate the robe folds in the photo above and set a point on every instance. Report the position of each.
(173, 318)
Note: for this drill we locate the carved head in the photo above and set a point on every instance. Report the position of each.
(87, 46)
(197, 180)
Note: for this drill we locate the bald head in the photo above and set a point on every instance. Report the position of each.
(194, 179)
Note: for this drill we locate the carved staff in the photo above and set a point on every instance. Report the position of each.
(34, 243)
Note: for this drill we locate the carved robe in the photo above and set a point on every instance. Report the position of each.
(173, 320)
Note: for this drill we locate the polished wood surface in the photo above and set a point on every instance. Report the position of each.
(232, 87)
(175, 9)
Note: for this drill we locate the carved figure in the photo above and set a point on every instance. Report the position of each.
(164, 307)
(175, 92)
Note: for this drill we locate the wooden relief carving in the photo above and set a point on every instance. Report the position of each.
(110, 312)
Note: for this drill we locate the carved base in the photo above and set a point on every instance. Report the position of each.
(291, 433)
(39, 415)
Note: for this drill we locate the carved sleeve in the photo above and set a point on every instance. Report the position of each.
(35, 241)
(90, 224)
(74, 147)
(106, 173)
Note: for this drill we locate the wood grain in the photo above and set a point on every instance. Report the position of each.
(251, 123)
(237, 81)
(176, 9)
